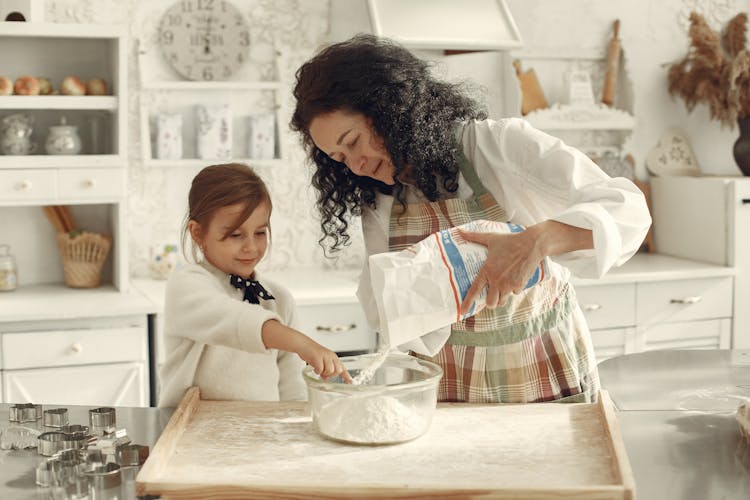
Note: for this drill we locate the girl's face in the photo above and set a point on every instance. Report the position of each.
(241, 251)
(349, 138)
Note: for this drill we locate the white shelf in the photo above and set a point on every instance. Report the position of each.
(64, 30)
(105, 103)
(212, 85)
(61, 161)
(566, 117)
(198, 162)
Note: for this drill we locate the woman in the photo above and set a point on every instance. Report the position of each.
(414, 155)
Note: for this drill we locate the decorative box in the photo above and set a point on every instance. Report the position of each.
(261, 136)
(214, 128)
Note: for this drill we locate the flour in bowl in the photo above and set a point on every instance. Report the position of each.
(370, 420)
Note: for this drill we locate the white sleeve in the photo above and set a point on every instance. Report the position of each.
(536, 177)
(197, 308)
(375, 233)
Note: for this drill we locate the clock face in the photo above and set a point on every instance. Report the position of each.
(204, 39)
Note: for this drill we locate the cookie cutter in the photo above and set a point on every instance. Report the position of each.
(50, 443)
(131, 454)
(102, 420)
(75, 429)
(104, 477)
(26, 412)
(56, 417)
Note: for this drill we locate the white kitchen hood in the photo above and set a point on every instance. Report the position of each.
(445, 24)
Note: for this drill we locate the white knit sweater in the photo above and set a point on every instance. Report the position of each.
(213, 340)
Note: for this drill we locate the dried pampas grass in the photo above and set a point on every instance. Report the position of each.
(716, 70)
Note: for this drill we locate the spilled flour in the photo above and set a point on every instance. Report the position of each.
(370, 420)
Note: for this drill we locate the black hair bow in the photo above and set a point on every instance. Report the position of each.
(253, 289)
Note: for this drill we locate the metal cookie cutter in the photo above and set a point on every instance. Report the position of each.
(131, 454)
(103, 478)
(56, 417)
(49, 443)
(26, 412)
(75, 429)
(102, 420)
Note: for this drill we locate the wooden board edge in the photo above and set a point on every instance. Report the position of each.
(620, 459)
(238, 492)
(167, 442)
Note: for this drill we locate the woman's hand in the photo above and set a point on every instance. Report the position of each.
(511, 261)
(512, 258)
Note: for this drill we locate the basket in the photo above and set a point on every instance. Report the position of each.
(83, 255)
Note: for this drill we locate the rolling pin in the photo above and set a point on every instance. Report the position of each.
(612, 67)
(532, 95)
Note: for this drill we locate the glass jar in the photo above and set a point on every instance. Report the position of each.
(8, 270)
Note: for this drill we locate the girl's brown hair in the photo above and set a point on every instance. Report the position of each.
(220, 186)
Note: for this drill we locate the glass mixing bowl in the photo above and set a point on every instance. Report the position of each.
(395, 405)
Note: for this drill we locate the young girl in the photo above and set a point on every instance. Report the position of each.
(225, 326)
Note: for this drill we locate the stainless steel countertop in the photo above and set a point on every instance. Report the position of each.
(675, 412)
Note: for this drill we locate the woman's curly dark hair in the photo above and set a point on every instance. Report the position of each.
(413, 112)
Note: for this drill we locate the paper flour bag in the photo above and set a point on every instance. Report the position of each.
(420, 289)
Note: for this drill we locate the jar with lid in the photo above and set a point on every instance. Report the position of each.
(8, 270)
(63, 139)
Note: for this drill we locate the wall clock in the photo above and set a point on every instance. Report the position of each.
(204, 39)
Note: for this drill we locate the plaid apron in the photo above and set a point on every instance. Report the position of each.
(537, 347)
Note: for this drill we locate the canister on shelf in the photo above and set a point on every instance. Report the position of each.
(8, 270)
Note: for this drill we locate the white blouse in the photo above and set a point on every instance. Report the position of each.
(534, 177)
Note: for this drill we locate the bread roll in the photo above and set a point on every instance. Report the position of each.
(45, 87)
(6, 85)
(72, 85)
(26, 85)
(96, 86)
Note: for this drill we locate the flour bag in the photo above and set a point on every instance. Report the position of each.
(420, 289)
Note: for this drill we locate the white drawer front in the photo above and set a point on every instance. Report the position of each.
(709, 334)
(116, 384)
(609, 343)
(73, 347)
(83, 183)
(339, 327)
(607, 306)
(27, 185)
(684, 300)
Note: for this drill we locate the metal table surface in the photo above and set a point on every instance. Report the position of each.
(675, 411)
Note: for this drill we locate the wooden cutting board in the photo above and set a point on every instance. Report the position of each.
(233, 449)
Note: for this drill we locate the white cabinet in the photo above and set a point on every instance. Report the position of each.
(100, 361)
(708, 219)
(93, 181)
(658, 302)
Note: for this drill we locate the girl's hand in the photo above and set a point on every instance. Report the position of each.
(324, 361)
(511, 261)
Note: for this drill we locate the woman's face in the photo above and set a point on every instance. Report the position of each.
(348, 138)
(241, 251)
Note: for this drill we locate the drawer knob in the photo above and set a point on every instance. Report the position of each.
(25, 185)
(687, 300)
(76, 347)
(336, 328)
(591, 307)
(89, 183)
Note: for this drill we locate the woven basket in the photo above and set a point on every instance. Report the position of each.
(83, 257)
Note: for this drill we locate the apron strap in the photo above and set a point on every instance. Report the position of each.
(470, 175)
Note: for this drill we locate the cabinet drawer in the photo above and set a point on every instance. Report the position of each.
(609, 343)
(708, 334)
(684, 300)
(116, 384)
(73, 347)
(83, 183)
(339, 327)
(27, 185)
(607, 306)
